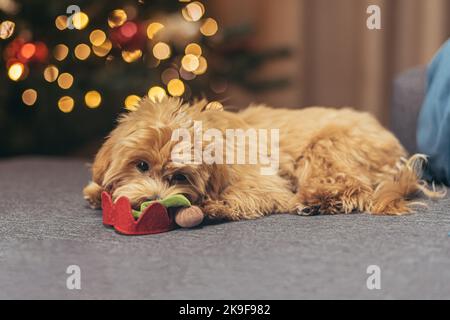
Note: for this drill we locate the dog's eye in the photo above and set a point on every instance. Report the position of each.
(178, 178)
(142, 166)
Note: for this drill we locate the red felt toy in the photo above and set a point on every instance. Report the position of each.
(155, 218)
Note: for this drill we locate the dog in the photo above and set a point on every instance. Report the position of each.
(331, 161)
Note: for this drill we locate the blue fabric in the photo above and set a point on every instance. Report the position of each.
(433, 130)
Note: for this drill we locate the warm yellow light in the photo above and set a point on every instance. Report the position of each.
(203, 65)
(15, 71)
(92, 99)
(190, 62)
(82, 51)
(61, 22)
(193, 11)
(194, 49)
(29, 97)
(117, 18)
(60, 52)
(51, 73)
(156, 93)
(131, 56)
(153, 28)
(80, 20)
(6, 29)
(97, 37)
(214, 105)
(209, 27)
(103, 49)
(175, 87)
(65, 104)
(131, 102)
(161, 51)
(65, 80)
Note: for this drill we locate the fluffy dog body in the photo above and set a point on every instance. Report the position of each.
(331, 161)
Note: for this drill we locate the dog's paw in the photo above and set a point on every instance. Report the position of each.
(222, 210)
(307, 211)
(93, 195)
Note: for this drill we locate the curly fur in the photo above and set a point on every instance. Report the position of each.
(331, 161)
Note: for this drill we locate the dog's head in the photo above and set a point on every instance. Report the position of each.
(136, 162)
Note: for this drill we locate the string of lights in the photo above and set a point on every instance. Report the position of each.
(134, 40)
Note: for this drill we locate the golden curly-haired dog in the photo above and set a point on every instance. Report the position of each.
(331, 161)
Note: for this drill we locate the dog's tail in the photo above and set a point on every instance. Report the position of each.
(395, 194)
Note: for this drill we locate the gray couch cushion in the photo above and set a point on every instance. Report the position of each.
(408, 96)
(45, 226)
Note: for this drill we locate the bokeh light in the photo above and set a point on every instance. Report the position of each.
(66, 104)
(92, 99)
(80, 20)
(169, 74)
(161, 51)
(131, 56)
(193, 11)
(61, 22)
(6, 29)
(15, 71)
(28, 50)
(129, 29)
(209, 27)
(132, 101)
(51, 73)
(60, 52)
(29, 97)
(82, 51)
(97, 37)
(103, 49)
(153, 28)
(117, 18)
(65, 80)
(175, 87)
(202, 67)
(190, 62)
(156, 93)
(186, 75)
(193, 48)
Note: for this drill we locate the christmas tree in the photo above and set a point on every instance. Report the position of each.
(70, 67)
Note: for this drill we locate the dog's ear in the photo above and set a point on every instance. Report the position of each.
(101, 162)
(93, 191)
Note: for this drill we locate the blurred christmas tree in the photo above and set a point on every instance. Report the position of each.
(69, 67)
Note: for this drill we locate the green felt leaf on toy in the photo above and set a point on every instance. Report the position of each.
(177, 200)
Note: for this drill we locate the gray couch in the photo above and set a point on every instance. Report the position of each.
(45, 226)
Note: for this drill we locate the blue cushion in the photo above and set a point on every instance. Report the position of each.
(433, 132)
